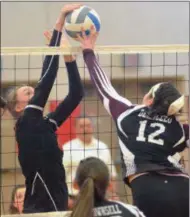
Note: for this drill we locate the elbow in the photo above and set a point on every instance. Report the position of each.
(81, 93)
(76, 97)
(79, 96)
(78, 93)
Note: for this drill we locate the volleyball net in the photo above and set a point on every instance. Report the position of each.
(132, 70)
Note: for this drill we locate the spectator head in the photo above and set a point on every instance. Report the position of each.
(84, 128)
(17, 199)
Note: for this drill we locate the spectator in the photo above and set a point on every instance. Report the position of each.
(17, 199)
(83, 146)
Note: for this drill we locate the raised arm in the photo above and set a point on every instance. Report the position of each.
(49, 73)
(71, 101)
(184, 141)
(113, 102)
(50, 64)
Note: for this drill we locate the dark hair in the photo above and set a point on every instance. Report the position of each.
(11, 97)
(2, 102)
(12, 208)
(92, 177)
(163, 97)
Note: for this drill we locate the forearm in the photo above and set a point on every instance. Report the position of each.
(49, 73)
(113, 102)
(76, 92)
(60, 22)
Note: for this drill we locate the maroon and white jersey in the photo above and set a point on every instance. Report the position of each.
(145, 142)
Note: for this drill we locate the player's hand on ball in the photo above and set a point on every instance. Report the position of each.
(64, 43)
(88, 41)
(69, 8)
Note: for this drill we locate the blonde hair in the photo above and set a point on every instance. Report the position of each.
(92, 177)
(12, 101)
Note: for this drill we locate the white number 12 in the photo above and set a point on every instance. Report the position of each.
(152, 136)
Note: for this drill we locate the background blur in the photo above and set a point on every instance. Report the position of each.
(123, 23)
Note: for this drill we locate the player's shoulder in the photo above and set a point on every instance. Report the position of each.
(130, 208)
(133, 110)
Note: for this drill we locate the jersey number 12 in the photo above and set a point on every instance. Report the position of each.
(152, 136)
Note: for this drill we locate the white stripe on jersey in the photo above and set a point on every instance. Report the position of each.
(182, 138)
(50, 60)
(133, 209)
(53, 121)
(106, 85)
(35, 107)
(45, 186)
(128, 158)
(125, 114)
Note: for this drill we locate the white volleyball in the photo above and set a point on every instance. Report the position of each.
(84, 17)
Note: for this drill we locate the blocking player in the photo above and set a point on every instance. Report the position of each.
(147, 134)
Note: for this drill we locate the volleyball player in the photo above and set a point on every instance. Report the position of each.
(92, 179)
(39, 155)
(147, 134)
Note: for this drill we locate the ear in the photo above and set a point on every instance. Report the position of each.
(110, 186)
(75, 185)
(18, 107)
(150, 101)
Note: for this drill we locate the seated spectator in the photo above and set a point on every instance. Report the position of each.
(85, 145)
(17, 199)
(92, 179)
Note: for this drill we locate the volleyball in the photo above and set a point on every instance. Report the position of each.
(84, 17)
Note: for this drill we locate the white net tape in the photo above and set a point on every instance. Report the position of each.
(50, 214)
(130, 49)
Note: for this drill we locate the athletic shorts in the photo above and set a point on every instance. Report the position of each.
(159, 195)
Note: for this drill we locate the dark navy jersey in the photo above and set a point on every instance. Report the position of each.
(39, 155)
(146, 144)
(115, 209)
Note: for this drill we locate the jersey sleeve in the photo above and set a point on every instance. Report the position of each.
(112, 101)
(184, 141)
(48, 75)
(72, 100)
(186, 132)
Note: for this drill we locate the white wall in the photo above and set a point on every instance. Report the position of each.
(123, 23)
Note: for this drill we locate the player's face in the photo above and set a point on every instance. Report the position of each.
(147, 100)
(19, 199)
(24, 94)
(2, 111)
(84, 128)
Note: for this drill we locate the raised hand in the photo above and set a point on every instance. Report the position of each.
(64, 43)
(88, 42)
(64, 11)
(69, 8)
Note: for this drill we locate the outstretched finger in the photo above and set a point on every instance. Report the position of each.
(83, 33)
(79, 38)
(95, 36)
(48, 35)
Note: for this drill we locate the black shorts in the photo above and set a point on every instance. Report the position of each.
(161, 195)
